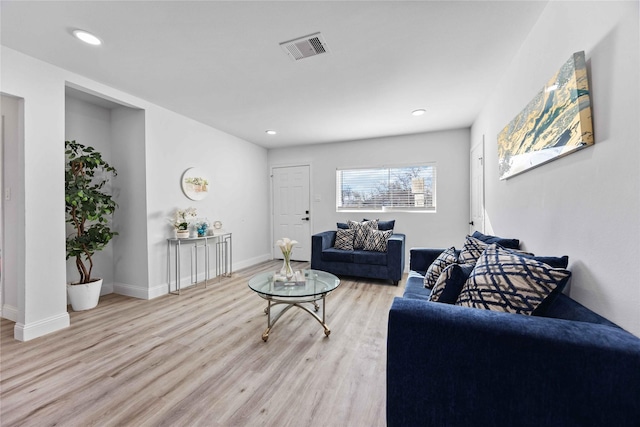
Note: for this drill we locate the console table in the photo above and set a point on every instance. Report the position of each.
(222, 242)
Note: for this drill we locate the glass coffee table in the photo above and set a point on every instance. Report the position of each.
(302, 291)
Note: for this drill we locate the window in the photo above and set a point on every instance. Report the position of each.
(406, 188)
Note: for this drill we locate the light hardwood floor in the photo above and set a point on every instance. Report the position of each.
(198, 359)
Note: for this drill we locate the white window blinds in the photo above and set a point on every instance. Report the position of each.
(406, 188)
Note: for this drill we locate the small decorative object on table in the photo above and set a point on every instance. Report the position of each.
(180, 222)
(201, 227)
(286, 246)
(297, 278)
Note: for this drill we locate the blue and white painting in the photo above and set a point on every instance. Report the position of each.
(555, 123)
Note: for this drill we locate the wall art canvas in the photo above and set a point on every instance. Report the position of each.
(555, 123)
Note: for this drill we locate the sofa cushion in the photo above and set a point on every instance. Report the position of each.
(450, 283)
(369, 257)
(505, 281)
(384, 225)
(505, 243)
(362, 231)
(377, 240)
(333, 254)
(414, 288)
(344, 239)
(471, 250)
(445, 259)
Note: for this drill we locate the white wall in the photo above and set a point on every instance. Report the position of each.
(42, 292)
(13, 220)
(586, 205)
(238, 188)
(449, 149)
(238, 171)
(131, 255)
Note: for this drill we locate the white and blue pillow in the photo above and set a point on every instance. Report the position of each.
(471, 250)
(344, 239)
(445, 259)
(361, 231)
(505, 281)
(377, 240)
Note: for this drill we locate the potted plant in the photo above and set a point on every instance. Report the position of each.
(181, 221)
(88, 210)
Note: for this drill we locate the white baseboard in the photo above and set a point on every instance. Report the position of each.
(161, 289)
(23, 332)
(107, 288)
(130, 290)
(252, 261)
(9, 312)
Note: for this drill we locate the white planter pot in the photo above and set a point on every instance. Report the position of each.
(182, 234)
(84, 296)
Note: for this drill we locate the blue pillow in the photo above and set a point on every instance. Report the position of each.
(343, 225)
(450, 283)
(505, 243)
(384, 225)
(551, 261)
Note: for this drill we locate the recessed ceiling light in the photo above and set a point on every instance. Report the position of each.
(418, 112)
(87, 37)
(271, 132)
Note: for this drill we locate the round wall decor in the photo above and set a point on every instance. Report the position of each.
(195, 184)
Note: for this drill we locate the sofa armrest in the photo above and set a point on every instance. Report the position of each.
(320, 242)
(325, 239)
(395, 256)
(421, 258)
(458, 366)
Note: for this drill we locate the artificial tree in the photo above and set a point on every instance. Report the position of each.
(88, 206)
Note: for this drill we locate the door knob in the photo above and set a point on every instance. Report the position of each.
(471, 223)
(305, 219)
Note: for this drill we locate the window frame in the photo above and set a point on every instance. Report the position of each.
(389, 170)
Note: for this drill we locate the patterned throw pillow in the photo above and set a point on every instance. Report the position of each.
(344, 239)
(505, 281)
(471, 250)
(436, 268)
(450, 283)
(377, 240)
(362, 231)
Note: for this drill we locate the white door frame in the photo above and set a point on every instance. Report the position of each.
(479, 161)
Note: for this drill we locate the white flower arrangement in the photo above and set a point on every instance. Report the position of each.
(286, 246)
(182, 217)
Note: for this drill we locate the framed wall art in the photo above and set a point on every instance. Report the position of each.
(555, 123)
(195, 184)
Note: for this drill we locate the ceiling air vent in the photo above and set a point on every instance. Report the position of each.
(305, 47)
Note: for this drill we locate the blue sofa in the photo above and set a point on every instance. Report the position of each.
(449, 365)
(359, 263)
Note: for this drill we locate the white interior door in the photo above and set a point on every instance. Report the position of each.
(291, 215)
(477, 188)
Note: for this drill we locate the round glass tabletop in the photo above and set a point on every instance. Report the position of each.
(306, 283)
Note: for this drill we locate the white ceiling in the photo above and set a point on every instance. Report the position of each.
(220, 62)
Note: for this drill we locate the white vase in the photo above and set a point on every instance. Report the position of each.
(84, 296)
